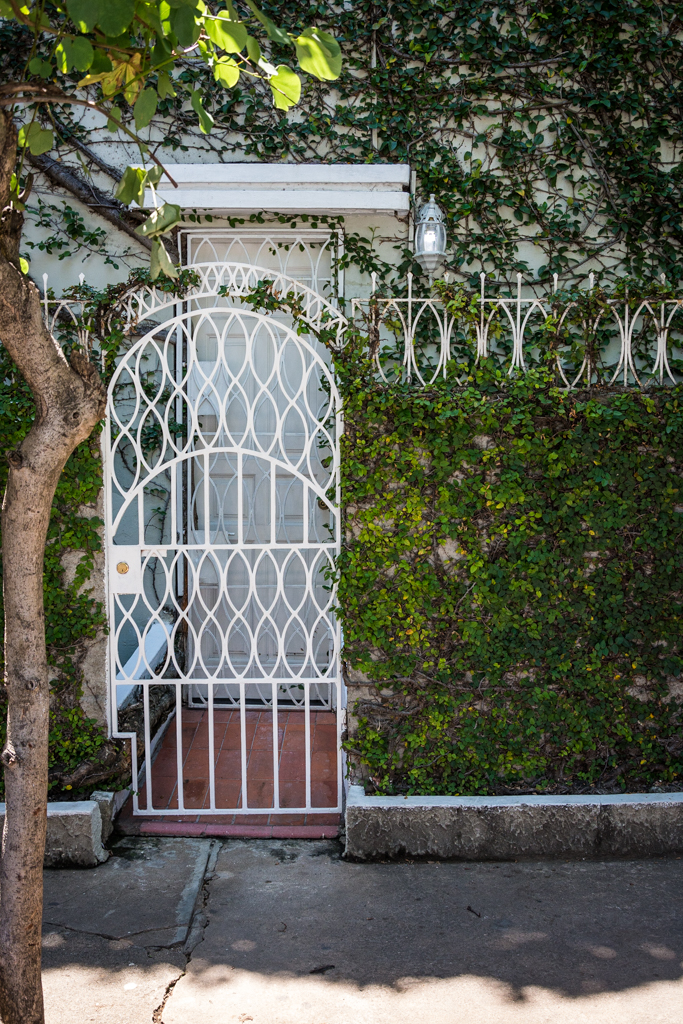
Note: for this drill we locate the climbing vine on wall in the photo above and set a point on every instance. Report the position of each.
(510, 582)
(550, 132)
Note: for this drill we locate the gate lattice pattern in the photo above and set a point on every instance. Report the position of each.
(222, 500)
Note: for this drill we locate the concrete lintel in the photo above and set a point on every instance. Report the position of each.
(510, 827)
(235, 200)
(74, 834)
(299, 174)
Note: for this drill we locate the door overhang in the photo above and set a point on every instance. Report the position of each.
(288, 187)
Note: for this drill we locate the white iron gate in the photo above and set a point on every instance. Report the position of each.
(222, 528)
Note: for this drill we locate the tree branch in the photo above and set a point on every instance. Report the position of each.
(87, 193)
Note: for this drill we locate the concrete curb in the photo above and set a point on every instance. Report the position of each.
(74, 834)
(510, 827)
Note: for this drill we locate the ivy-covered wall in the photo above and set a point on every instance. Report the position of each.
(510, 585)
(550, 134)
(550, 131)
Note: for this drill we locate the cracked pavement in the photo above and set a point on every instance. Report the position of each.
(178, 931)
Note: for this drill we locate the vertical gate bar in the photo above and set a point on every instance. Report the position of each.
(240, 499)
(174, 498)
(307, 735)
(276, 752)
(207, 517)
(273, 504)
(148, 746)
(179, 743)
(212, 762)
(243, 741)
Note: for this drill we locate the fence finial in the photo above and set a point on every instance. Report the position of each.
(554, 283)
(373, 277)
(591, 280)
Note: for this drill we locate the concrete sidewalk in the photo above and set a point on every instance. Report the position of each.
(289, 933)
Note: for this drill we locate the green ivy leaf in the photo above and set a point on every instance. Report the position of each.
(319, 54)
(74, 52)
(131, 188)
(154, 175)
(185, 25)
(112, 126)
(38, 66)
(286, 87)
(85, 13)
(253, 49)
(115, 16)
(274, 33)
(160, 261)
(101, 64)
(165, 85)
(23, 265)
(39, 140)
(160, 221)
(205, 119)
(226, 72)
(229, 35)
(145, 108)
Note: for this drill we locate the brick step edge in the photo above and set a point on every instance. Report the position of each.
(193, 830)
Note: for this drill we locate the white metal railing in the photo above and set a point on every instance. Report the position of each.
(416, 338)
(507, 326)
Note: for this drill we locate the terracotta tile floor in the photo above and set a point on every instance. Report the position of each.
(228, 773)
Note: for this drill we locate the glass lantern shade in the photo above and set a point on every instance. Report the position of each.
(430, 237)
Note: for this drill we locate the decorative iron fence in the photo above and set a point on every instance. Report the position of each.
(588, 336)
(629, 337)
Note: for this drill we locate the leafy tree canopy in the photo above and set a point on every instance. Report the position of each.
(98, 53)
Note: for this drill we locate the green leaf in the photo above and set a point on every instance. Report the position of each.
(38, 66)
(253, 49)
(286, 86)
(319, 54)
(229, 35)
(131, 188)
(101, 64)
(74, 53)
(112, 126)
(154, 175)
(145, 108)
(161, 52)
(160, 221)
(84, 13)
(274, 33)
(115, 16)
(39, 140)
(226, 72)
(160, 261)
(23, 265)
(185, 25)
(165, 85)
(205, 119)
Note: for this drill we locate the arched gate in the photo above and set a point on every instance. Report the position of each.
(222, 527)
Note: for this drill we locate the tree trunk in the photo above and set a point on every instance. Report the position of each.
(69, 401)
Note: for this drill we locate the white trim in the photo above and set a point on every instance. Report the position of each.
(294, 200)
(295, 174)
(302, 188)
(357, 798)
